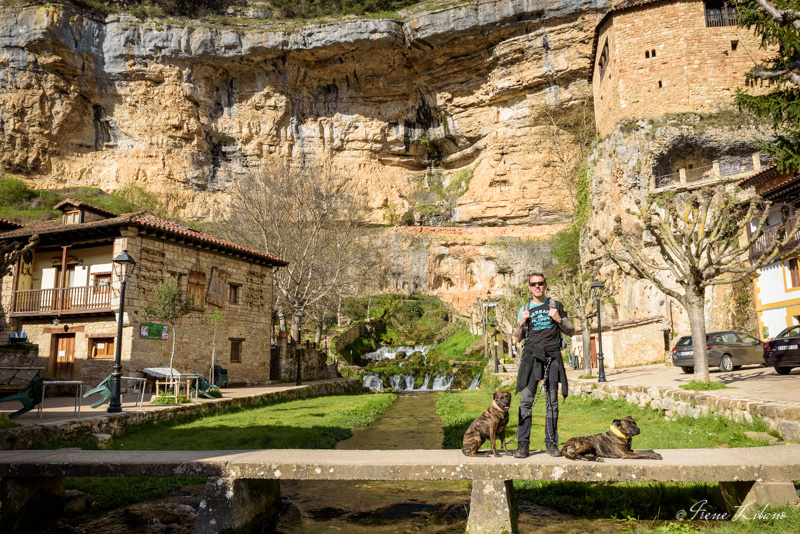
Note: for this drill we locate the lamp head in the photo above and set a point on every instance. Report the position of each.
(124, 265)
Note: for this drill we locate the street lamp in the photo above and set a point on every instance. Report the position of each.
(299, 315)
(597, 291)
(487, 307)
(494, 340)
(124, 266)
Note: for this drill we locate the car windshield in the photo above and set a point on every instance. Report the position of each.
(684, 341)
(794, 331)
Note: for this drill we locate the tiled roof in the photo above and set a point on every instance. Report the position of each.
(616, 9)
(84, 205)
(6, 224)
(143, 219)
(761, 176)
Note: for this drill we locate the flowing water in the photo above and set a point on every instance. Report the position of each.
(379, 507)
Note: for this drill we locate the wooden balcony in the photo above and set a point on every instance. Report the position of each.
(769, 235)
(61, 301)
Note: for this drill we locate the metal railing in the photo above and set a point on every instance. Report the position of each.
(767, 238)
(726, 16)
(66, 299)
(727, 167)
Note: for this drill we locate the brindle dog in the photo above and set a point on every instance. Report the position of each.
(614, 443)
(490, 425)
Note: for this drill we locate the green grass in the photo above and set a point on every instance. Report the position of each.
(316, 423)
(579, 417)
(454, 347)
(696, 385)
(5, 422)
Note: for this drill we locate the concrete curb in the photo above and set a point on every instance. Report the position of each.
(781, 416)
(37, 436)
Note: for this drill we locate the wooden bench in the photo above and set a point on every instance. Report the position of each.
(242, 486)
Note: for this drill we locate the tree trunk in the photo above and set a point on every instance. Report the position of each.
(586, 338)
(172, 355)
(295, 329)
(282, 321)
(214, 351)
(697, 321)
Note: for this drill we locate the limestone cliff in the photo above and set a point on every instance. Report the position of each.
(186, 108)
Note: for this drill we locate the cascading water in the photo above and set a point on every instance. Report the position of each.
(442, 382)
(476, 381)
(373, 382)
(425, 381)
(391, 352)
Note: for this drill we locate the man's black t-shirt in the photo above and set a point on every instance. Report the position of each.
(542, 329)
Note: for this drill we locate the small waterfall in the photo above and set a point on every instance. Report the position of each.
(476, 381)
(426, 381)
(409, 381)
(391, 352)
(373, 382)
(442, 382)
(402, 382)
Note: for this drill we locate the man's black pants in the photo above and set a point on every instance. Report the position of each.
(551, 413)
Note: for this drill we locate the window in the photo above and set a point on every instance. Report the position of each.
(793, 280)
(653, 53)
(197, 289)
(734, 45)
(233, 293)
(660, 85)
(750, 340)
(101, 282)
(72, 217)
(602, 63)
(236, 351)
(101, 348)
(720, 13)
(647, 54)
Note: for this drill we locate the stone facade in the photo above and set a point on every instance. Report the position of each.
(661, 57)
(209, 273)
(629, 343)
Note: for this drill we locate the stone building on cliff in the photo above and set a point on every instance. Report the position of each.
(653, 57)
(65, 295)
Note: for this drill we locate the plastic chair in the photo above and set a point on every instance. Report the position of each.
(204, 387)
(29, 402)
(220, 376)
(104, 389)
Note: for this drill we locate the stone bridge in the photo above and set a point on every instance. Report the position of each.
(243, 487)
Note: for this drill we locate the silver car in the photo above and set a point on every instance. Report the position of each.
(726, 350)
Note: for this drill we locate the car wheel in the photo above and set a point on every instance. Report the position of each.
(688, 370)
(783, 370)
(726, 363)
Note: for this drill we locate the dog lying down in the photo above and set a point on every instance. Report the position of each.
(490, 425)
(614, 443)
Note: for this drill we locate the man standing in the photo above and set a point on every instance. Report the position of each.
(540, 323)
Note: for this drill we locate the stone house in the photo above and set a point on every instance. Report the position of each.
(65, 296)
(776, 288)
(652, 57)
(627, 343)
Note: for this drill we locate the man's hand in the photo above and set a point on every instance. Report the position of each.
(553, 313)
(524, 317)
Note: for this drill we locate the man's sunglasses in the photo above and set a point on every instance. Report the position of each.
(537, 284)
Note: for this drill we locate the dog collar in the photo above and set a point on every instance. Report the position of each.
(617, 432)
(494, 403)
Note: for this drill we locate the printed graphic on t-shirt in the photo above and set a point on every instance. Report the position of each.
(540, 319)
(542, 329)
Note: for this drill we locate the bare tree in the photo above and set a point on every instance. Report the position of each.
(10, 253)
(573, 287)
(312, 217)
(696, 239)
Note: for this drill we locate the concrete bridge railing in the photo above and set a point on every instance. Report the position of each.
(243, 487)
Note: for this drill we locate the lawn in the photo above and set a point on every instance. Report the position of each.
(316, 423)
(627, 502)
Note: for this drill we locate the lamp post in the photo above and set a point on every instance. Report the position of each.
(123, 268)
(299, 316)
(487, 306)
(597, 290)
(494, 340)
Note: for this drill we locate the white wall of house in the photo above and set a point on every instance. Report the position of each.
(777, 298)
(95, 260)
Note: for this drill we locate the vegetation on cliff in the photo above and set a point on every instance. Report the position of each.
(778, 23)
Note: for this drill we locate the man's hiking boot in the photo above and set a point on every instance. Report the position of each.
(522, 450)
(554, 451)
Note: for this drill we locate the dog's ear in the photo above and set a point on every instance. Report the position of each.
(494, 395)
(616, 422)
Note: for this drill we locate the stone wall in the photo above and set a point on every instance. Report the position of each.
(38, 436)
(694, 67)
(781, 416)
(248, 322)
(313, 362)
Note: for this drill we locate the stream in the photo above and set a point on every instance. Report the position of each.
(377, 507)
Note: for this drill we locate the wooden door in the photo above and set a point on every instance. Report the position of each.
(593, 346)
(63, 355)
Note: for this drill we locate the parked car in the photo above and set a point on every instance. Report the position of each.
(726, 350)
(782, 351)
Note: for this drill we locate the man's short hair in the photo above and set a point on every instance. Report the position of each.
(537, 274)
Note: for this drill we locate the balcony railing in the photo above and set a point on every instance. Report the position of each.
(769, 235)
(75, 299)
(726, 16)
